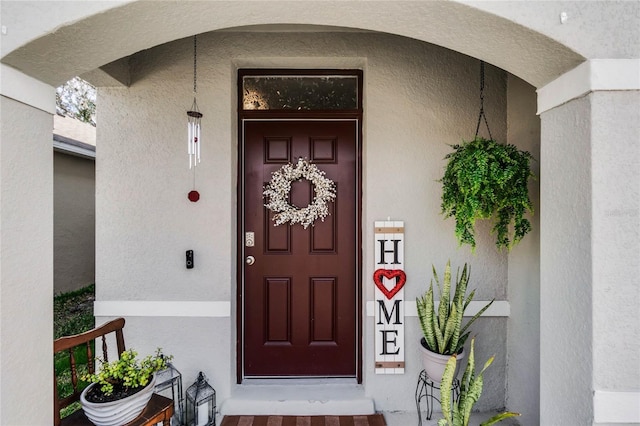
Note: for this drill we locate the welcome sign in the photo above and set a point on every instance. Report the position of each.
(389, 279)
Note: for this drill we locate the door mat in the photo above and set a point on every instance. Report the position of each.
(371, 420)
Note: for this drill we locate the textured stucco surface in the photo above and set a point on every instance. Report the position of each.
(594, 29)
(26, 263)
(69, 47)
(523, 374)
(194, 342)
(73, 222)
(418, 99)
(589, 269)
(565, 265)
(616, 240)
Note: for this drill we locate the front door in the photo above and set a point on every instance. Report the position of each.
(300, 293)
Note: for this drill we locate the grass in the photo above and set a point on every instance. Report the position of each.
(72, 314)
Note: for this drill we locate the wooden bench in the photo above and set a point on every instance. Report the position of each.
(159, 408)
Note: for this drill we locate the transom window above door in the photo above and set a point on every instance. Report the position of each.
(297, 91)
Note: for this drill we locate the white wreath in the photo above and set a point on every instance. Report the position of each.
(278, 189)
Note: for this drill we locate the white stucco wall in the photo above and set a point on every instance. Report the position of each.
(590, 256)
(615, 253)
(594, 29)
(418, 98)
(26, 261)
(617, 277)
(523, 373)
(565, 265)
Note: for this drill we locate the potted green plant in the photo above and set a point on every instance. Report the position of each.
(485, 179)
(121, 389)
(458, 413)
(443, 332)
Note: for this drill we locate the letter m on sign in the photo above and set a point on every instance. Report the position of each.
(389, 279)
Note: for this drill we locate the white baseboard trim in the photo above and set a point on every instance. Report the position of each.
(590, 76)
(140, 308)
(616, 407)
(221, 309)
(499, 308)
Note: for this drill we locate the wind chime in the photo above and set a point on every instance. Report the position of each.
(194, 141)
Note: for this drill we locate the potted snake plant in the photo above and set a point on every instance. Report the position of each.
(443, 332)
(458, 413)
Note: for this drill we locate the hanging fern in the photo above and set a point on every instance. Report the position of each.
(487, 180)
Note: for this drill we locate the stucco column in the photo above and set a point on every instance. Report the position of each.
(26, 250)
(590, 240)
(615, 245)
(566, 265)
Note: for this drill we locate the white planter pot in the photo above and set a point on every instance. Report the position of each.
(434, 363)
(119, 412)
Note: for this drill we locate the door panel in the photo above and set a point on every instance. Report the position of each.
(300, 294)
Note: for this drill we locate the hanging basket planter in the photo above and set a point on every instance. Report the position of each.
(488, 180)
(485, 179)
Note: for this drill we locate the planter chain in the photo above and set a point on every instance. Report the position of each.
(482, 114)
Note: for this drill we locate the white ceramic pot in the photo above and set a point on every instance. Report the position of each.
(434, 363)
(118, 412)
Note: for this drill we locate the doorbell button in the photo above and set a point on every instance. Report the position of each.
(189, 259)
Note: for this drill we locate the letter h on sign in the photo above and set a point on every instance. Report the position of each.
(383, 251)
(389, 279)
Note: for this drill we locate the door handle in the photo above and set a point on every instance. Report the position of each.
(250, 260)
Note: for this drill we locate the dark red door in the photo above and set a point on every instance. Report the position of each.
(300, 293)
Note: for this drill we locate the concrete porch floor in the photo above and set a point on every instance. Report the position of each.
(409, 418)
(298, 397)
(329, 397)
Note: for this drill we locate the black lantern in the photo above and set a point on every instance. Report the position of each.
(169, 384)
(201, 403)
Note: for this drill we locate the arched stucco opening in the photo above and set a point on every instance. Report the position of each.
(59, 51)
(69, 46)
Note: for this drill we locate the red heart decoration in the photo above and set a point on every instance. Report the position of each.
(398, 274)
